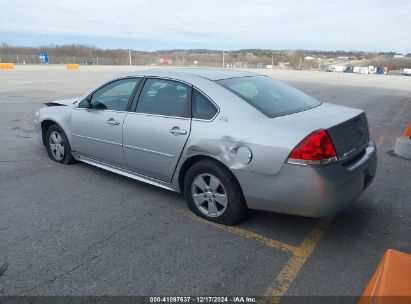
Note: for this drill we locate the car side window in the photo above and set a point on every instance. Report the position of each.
(115, 95)
(202, 107)
(164, 97)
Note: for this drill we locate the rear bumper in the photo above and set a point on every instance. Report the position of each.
(310, 191)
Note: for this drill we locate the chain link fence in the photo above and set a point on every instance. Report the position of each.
(34, 59)
(124, 60)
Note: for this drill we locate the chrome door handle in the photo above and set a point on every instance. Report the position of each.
(177, 131)
(112, 122)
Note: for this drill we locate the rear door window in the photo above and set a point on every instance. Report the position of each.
(164, 97)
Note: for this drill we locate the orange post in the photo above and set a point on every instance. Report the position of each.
(407, 132)
(391, 282)
(73, 66)
(6, 66)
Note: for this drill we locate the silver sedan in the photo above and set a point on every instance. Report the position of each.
(228, 140)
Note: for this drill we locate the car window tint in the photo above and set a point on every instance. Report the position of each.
(115, 95)
(271, 97)
(202, 107)
(164, 97)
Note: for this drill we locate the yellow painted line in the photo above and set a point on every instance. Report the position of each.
(294, 264)
(299, 255)
(244, 233)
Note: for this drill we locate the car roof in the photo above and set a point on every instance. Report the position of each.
(210, 74)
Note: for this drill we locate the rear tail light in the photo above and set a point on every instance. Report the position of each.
(316, 149)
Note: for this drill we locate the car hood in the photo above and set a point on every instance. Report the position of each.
(62, 102)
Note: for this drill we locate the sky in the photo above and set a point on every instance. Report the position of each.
(367, 25)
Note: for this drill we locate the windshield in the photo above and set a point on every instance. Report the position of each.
(271, 97)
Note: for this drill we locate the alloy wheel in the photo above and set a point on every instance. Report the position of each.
(209, 195)
(56, 144)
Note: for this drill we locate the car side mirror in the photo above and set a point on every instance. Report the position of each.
(85, 104)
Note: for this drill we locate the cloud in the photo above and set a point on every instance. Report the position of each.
(350, 24)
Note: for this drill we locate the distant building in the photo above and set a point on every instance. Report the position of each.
(166, 61)
(399, 56)
(406, 72)
(336, 68)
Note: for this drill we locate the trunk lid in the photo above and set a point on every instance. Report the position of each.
(347, 127)
(350, 137)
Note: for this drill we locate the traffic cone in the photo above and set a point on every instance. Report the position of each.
(391, 282)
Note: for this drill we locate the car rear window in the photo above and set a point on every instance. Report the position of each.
(271, 97)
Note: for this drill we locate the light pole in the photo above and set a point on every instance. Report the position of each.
(223, 58)
(272, 59)
(129, 34)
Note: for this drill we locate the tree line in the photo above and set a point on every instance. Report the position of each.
(294, 58)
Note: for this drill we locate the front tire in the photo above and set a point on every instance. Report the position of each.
(212, 192)
(58, 146)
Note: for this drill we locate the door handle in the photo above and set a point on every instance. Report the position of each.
(112, 122)
(177, 131)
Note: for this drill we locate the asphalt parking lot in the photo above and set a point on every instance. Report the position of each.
(79, 230)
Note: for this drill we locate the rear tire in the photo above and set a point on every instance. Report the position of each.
(58, 146)
(212, 192)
